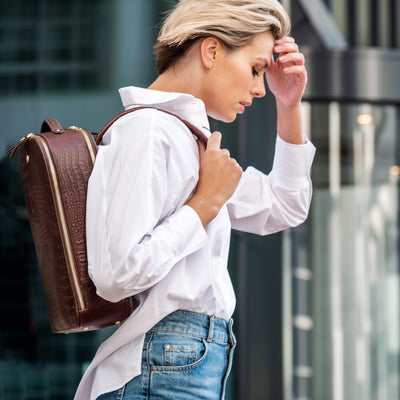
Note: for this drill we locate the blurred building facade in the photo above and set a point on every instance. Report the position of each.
(318, 306)
(342, 266)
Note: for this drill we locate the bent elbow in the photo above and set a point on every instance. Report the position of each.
(298, 212)
(116, 287)
(109, 293)
(290, 213)
(107, 288)
(297, 218)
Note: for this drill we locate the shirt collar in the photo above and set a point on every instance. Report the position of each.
(184, 105)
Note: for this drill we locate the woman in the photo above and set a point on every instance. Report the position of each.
(161, 205)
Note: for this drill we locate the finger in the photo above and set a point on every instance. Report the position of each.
(285, 39)
(214, 141)
(291, 58)
(290, 47)
(236, 168)
(234, 161)
(295, 69)
(226, 153)
(272, 62)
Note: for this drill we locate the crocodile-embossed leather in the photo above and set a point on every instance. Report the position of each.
(50, 163)
(55, 166)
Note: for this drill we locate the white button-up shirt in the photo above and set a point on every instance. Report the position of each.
(142, 239)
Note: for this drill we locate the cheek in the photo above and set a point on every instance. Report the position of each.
(224, 91)
(221, 106)
(229, 88)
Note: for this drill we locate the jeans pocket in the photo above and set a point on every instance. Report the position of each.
(175, 353)
(178, 355)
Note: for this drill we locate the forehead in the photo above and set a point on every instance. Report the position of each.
(262, 43)
(260, 49)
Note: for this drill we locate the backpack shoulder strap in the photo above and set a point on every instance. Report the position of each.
(200, 135)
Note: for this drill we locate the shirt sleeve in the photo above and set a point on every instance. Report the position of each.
(265, 204)
(133, 241)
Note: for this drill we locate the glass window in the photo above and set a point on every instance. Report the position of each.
(48, 46)
(345, 275)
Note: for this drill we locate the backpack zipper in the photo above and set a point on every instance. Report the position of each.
(63, 225)
(89, 144)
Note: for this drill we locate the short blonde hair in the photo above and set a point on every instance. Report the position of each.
(233, 22)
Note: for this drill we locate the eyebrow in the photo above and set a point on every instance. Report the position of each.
(266, 65)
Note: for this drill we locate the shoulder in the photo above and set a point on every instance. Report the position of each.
(151, 122)
(149, 131)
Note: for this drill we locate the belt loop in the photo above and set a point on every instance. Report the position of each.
(211, 329)
(232, 338)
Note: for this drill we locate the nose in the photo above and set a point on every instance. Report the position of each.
(258, 89)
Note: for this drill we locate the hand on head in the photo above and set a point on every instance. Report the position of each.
(287, 75)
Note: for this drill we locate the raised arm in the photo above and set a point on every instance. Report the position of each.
(287, 79)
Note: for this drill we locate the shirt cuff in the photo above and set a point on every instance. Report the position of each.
(292, 162)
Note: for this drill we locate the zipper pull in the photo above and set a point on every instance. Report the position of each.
(11, 152)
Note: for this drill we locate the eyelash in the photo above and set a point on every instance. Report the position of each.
(255, 72)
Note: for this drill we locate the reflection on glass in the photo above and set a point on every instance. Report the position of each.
(349, 338)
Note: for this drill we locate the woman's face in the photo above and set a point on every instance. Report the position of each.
(237, 77)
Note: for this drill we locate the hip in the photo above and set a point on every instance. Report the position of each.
(185, 356)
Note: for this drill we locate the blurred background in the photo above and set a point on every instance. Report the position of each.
(318, 313)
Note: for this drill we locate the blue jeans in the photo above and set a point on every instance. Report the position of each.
(185, 356)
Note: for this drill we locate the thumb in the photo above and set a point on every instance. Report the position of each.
(214, 141)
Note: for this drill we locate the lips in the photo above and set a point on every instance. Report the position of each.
(243, 105)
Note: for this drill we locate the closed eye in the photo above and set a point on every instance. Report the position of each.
(255, 72)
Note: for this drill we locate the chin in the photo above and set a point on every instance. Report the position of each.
(231, 118)
(227, 118)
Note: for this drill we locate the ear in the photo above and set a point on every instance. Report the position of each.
(209, 48)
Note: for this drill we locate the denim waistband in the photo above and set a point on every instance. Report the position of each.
(192, 323)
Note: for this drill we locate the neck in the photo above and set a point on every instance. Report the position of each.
(185, 76)
(174, 81)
